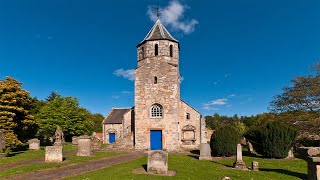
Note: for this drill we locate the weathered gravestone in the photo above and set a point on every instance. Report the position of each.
(312, 156)
(157, 162)
(290, 154)
(205, 152)
(84, 146)
(34, 144)
(250, 147)
(59, 137)
(54, 154)
(255, 165)
(96, 143)
(75, 140)
(239, 164)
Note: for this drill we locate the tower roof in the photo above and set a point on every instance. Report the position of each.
(158, 32)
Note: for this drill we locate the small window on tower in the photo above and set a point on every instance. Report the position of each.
(187, 116)
(156, 50)
(142, 52)
(155, 80)
(171, 51)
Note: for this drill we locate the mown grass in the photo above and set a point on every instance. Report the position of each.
(68, 159)
(189, 167)
(31, 154)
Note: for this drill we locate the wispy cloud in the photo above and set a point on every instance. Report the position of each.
(127, 74)
(115, 97)
(126, 92)
(181, 79)
(173, 15)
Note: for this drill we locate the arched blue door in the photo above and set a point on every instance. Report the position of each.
(112, 138)
(156, 140)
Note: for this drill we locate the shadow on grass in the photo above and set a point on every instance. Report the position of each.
(195, 152)
(284, 171)
(194, 156)
(226, 165)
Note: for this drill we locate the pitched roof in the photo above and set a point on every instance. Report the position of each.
(158, 32)
(115, 116)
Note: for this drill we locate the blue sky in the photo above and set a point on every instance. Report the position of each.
(235, 55)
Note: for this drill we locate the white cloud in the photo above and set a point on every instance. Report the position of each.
(127, 74)
(181, 79)
(115, 97)
(222, 101)
(173, 15)
(126, 92)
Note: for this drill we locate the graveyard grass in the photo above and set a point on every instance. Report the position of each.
(189, 167)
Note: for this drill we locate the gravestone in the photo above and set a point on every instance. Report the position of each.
(84, 146)
(255, 165)
(34, 144)
(96, 143)
(205, 152)
(59, 137)
(2, 142)
(53, 154)
(312, 156)
(239, 164)
(290, 154)
(157, 162)
(250, 147)
(75, 140)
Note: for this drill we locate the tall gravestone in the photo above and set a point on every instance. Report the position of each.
(312, 156)
(157, 162)
(84, 146)
(239, 164)
(96, 143)
(59, 137)
(205, 152)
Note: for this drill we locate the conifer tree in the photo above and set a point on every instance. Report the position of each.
(15, 119)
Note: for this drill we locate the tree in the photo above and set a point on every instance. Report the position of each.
(96, 119)
(16, 120)
(52, 96)
(65, 112)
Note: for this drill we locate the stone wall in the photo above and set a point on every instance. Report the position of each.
(112, 128)
(166, 93)
(186, 126)
(127, 124)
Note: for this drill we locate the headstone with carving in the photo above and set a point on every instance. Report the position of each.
(34, 144)
(2, 142)
(157, 162)
(255, 166)
(84, 146)
(59, 137)
(96, 143)
(205, 152)
(54, 154)
(239, 164)
(75, 140)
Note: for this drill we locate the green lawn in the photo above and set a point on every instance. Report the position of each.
(32, 154)
(69, 159)
(188, 167)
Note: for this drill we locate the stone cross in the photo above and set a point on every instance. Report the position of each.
(53, 154)
(205, 152)
(157, 162)
(239, 164)
(59, 137)
(2, 142)
(84, 146)
(34, 144)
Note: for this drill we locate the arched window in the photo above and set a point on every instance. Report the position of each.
(156, 111)
(171, 51)
(155, 80)
(156, 50)
(142, 52)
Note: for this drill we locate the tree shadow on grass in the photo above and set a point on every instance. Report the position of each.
(226, 165)
(284, 171)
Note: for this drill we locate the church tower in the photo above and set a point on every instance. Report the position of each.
(157, 91)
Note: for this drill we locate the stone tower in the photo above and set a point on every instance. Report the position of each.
(157, 91)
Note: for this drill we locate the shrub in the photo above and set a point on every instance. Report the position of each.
(272, 139)
(224, 141)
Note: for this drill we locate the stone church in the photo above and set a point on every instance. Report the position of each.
(159, 118)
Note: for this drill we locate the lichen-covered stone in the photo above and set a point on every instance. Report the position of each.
(53, 154)
(84, 146)
(34, 144)
(157, 162)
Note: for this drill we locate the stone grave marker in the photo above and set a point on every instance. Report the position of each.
(84, 146)
(96, 143)
(34, 144)
(205, 152)
(239, 164)
(157, 162)
(250, 147)
(59, 137)
(74, 140)
(53, 154)
(255, 166)
(312, 156)
(290, 154)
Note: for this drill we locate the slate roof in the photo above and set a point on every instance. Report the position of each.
(115, 116)
(158, 32)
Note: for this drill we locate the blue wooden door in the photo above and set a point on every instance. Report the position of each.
(156, 140)
(112, 138)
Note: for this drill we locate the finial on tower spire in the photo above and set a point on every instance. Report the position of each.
(158, 10)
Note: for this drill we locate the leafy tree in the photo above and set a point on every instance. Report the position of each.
(224, 141)
(96, 119)
(36, 105)
(16, 120)
(65, 112)
(52, 96)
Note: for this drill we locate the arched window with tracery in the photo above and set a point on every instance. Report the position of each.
(156, 111)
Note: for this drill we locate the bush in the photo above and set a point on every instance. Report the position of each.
(224, 141)
(273, 139)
